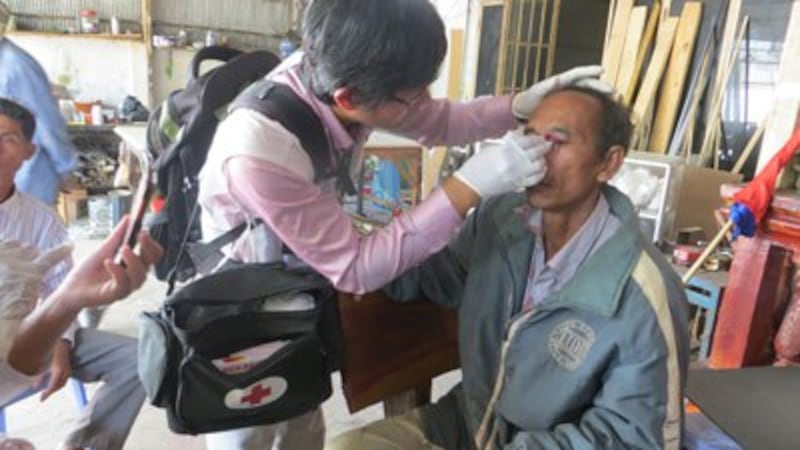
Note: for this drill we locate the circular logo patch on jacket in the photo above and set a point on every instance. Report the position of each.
(570, 342)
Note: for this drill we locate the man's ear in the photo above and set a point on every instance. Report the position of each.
(343, 99)
(30, 150)
(613, 160)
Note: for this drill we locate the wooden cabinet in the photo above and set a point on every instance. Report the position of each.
(759, 286)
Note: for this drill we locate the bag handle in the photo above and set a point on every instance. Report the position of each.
(213, 53)
(204, 251)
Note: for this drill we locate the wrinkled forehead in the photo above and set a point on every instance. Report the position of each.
(570, 111)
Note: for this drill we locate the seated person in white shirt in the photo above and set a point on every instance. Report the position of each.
(28, 337)
(84, 354)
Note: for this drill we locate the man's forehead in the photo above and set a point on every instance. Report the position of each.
(9, 125)
(569, 109)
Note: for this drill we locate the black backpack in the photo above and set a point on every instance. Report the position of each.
(180, 132)
(222, 312)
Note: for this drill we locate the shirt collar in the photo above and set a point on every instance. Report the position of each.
(579, 246)
(342, 137)
(11, 201)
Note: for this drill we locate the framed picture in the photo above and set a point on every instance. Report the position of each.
(387, 183)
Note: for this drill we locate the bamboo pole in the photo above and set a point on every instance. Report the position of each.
(708, 251)
(748, 149)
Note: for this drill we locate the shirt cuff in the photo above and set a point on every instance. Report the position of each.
(502, 109)
(436, 218)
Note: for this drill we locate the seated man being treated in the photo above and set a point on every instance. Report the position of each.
(572, 327)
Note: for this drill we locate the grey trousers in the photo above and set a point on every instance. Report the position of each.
(111, 359)
(306, 432)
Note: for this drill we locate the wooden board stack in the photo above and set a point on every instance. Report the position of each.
(665, 67)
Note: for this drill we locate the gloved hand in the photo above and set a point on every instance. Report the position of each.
(510, 164)
(22, 269)
(526, 101)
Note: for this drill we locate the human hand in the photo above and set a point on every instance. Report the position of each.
(525, 102)
(97, 280)
(510, 164)
(22, 269)
(60, 369)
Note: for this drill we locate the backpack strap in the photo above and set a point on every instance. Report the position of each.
(280, 103)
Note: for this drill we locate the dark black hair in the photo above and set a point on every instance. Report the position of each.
(17, 112)
(613, 124)
(377, 48)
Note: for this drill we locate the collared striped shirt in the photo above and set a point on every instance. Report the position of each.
(25, 219)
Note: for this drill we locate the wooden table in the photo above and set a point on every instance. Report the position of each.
(757, 406)
(394, 350)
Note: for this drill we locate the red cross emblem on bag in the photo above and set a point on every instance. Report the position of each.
(260, 393)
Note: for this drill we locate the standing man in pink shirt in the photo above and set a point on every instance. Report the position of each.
(365, 64)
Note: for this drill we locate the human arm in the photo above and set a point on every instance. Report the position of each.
(443, 122)
(95, 281)
(313, 224)
(441, 278)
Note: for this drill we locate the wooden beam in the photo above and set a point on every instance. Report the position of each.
(707, 43)
(630, 50)
(553, 45)
(718, 94)
(666, 10)
(724, 55)
(691, 114)
(616, 41)
(748, 149)
(147, 26)
(675, 80)
(612, 9)
(644, 129)
(501, 59)
(454, 76)
(644, 48)
(655, 72)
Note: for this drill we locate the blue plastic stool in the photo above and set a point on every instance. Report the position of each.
(78, 391)
(706, 295)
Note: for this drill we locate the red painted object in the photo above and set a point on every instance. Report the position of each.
(686, 255)
(758, 193)
(787, 341)
(758, 286)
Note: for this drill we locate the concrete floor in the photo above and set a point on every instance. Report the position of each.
(45, 424)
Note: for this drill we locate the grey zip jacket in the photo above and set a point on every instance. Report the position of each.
(599, 364)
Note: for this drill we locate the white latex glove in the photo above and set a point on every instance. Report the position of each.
(526, 101)
(22, 269)
(512, 163)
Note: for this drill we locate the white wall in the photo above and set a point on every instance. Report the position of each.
(91, 69)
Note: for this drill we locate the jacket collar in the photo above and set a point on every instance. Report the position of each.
(598, 284)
